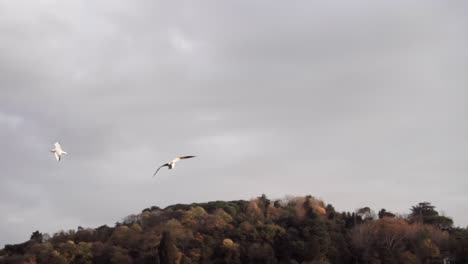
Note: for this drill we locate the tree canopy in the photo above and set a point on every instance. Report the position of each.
(292, 230)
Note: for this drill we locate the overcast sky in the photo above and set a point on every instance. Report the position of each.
(360, 104)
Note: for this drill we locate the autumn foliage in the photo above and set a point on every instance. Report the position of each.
(290, 230)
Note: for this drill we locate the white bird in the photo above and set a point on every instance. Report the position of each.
(170, 165)
(58, 151)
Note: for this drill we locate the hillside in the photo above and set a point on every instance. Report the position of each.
(293, 230)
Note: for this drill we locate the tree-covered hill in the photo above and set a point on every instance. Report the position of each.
(293, 230)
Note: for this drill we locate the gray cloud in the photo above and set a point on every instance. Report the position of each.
(359, 103)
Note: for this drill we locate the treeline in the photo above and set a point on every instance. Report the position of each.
(293, 230)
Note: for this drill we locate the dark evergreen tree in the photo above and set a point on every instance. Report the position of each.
(167, 248)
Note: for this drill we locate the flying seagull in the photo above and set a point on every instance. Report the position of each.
(170, 165)
(58, 151)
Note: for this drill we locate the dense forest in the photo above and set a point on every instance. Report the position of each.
(290, 230)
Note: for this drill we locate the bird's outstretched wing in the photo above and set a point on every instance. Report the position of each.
(183, 157)
(164, 165)
(57, 156)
